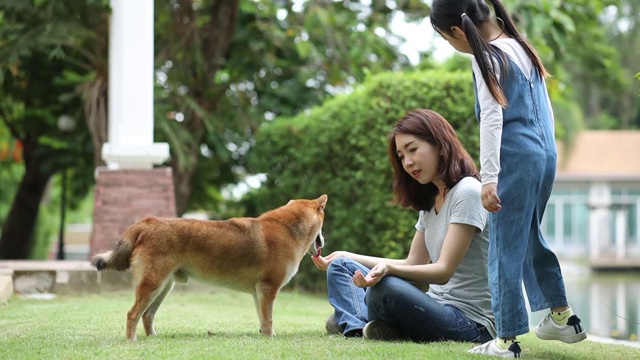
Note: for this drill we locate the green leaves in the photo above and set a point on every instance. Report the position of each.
(340, 148)
(581, 45)
(283, 58)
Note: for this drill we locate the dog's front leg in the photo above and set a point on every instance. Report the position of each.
(264, 298)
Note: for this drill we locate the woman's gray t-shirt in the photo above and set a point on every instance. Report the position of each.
(468, 288)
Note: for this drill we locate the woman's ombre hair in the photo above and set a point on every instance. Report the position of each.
(454, 162)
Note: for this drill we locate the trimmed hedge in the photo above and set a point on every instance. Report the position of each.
(339, 149)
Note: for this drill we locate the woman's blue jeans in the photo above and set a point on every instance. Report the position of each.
(397, 303)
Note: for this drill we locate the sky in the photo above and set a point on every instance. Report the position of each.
(420, 37)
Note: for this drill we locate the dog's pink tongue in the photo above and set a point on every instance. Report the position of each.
(318, 254)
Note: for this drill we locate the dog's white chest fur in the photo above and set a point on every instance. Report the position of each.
(291, 271)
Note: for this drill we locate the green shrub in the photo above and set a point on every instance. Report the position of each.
(339, 149)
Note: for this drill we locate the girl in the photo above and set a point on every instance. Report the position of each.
(433, 173)
(517, 168)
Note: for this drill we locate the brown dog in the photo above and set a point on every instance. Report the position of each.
(256, 255)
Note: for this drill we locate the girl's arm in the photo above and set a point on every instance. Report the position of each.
(490, 138)
(490, 129)
(454, 247)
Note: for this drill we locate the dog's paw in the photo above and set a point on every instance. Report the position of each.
(267, 332)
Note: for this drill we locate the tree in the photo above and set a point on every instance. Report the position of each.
(214, 86)
(38, 82)
(590, 47)
(314, 153)
(285, 56)
(11, 166)
(620, 24)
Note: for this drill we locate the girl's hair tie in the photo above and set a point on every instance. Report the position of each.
(463, 15)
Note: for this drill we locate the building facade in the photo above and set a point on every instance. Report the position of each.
(594, 210)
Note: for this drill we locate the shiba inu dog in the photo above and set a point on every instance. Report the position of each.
(255, 255)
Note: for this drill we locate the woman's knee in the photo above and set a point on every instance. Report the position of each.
(380, 294)
(342, 266)
(338, 264)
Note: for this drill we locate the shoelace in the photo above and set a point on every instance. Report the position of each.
(546, 319)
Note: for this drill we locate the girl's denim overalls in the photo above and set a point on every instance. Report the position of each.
(517, 250)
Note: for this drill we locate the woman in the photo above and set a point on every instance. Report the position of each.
(381, 298)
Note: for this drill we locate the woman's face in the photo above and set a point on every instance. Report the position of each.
(419, 158)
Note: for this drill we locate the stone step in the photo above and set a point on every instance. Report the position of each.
(6, 285)
(65, 277)
(62, 277)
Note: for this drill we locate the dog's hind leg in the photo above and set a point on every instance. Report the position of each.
(257, 305)
(264, 298)
(148, 288)
(149, 314)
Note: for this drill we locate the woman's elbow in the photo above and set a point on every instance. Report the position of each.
(442, 277)
(441, 280)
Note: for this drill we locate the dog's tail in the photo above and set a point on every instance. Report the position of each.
(118, 257)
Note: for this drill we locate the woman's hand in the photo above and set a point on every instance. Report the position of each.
(490, 199)
(322, 263)
(373, 277)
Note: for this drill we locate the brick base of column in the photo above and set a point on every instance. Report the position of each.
(123, 197)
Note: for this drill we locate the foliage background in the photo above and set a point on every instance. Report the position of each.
(219, 77)
(340, 149)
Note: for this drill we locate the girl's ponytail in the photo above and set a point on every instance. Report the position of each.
(485, 53)
(511, 30)
(468, 15)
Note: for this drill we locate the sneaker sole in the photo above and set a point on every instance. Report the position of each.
(566, 339)
(332, 327)
(367, 331)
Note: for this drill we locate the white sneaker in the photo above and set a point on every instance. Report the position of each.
(571, 333)
(491, 348)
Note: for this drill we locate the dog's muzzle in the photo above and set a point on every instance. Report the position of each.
(318, 244)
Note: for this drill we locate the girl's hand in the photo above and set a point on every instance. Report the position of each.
(372, 278)
(322, 263)
(490, 199)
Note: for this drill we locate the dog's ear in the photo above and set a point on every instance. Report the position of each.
(322, 202)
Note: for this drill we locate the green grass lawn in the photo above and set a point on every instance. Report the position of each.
(222, 324)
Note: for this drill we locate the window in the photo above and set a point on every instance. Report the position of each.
(566, 219)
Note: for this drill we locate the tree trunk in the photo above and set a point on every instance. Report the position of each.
(17, 235)
(214, 40)
(182, 181)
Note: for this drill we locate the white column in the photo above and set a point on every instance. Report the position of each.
(599, 219)
(621, 232)
(131, 77)
(622, 324)
(559, 243)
